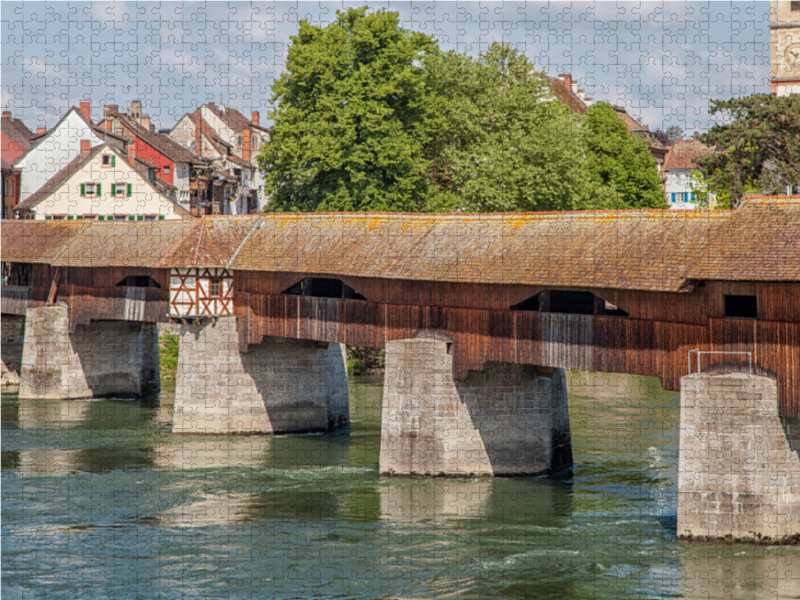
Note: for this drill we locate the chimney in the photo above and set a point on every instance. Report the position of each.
(6, 114)
(246, 135)
(136, 109)
(86, 146)
(256, 118)
(574, 87)
(144, 121)
(109, 110)
(41, 129)
(582, 94)
(86, 109)
(567, 77)
(152, 127)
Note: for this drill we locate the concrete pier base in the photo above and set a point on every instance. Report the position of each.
(738, 476)
(101, 359)
(505, 420)
(12, 334)
(278, 386)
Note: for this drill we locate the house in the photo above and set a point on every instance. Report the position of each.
(53, 150)
(678, 168)
(174, 166)
(567, 92)
(784, 33)
(100, 183)
(230, 141)
(16, 141)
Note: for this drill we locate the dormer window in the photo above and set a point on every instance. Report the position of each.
(109, 160)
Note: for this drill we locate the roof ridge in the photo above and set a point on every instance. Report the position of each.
(241, 244)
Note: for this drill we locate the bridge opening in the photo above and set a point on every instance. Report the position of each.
(745, 307)
(321, 287)
(144, 281)
(569, 302)
(18, 273)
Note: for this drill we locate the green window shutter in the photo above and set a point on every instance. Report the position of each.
(113, 190)
(101, 217)
(140, 217)
(48, 217)
(99, 191)
(160, 217)
(79, 217)
(130, 189)
(113, 161)
(83, 190)
(131, 217)
(70, 217)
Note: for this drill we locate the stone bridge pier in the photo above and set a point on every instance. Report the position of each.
(505, 420)
(98, 359)
(739, 472)
(280, 385)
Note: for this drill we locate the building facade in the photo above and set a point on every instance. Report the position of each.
(785, 47)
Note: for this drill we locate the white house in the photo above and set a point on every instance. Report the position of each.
(55, 149)
(678, 166)
(100, 184)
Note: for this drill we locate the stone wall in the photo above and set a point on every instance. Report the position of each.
(278, 386)
(738, 475)
(101, 359)
(12, 333)
(504, 420)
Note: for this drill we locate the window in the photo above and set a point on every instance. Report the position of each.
(90, 189)
(150, 217)
(109, 160)
(795, 6)
(320, 287)
(239, 141)
(166, 170)
(121, 189)
(743, 307)
(120, 217)
(214, 288)
(9, 187)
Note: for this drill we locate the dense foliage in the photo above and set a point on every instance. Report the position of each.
(760, 145)
(373, 117)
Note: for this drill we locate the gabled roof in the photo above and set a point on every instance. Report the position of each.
(566, 96)
(115, 140)
(217, 143)
(16, 130)
(232, 118)
(684, 152)
(168, 147)
(57, 180)
(6, 165)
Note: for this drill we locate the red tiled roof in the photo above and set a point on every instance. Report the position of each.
(683, 153)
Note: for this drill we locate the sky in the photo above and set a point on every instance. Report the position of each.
(662, 61)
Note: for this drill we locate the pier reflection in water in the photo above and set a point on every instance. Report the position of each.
(100, 499)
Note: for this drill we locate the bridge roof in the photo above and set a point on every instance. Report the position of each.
(120, 244)
(38, 241)
(641, 249)
(648, 250)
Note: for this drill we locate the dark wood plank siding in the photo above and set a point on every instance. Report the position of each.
(87, 304)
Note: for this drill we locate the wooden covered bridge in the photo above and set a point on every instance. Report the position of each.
(479, 315)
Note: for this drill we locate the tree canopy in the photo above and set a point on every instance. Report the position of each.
(760, 145)
(349, 128)
(621, 161)
(371, 116)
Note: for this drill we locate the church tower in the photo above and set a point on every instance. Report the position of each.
(785, 47)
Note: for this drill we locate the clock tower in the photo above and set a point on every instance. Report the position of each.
(784, 47)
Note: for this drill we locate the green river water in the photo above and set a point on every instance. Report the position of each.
(100, 500)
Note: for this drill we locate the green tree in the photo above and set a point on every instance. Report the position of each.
(350, 124)
(674, 133)
(760, 144)
(500, 141)
(621, 161)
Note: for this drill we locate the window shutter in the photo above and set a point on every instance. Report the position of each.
(160, 217)
(113, 190)
(83, 190)
(113, 161)
(130, 189)
(99, 191)
(673, 197)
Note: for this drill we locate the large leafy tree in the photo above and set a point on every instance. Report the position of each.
(759, 145)
(621, 161)
(500, 142)
(349, 127)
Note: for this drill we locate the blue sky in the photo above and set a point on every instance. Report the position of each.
(663, 61)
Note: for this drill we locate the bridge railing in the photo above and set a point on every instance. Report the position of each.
(150, 305)
(695, 356)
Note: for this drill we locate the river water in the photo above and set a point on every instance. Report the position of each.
(100, 500)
